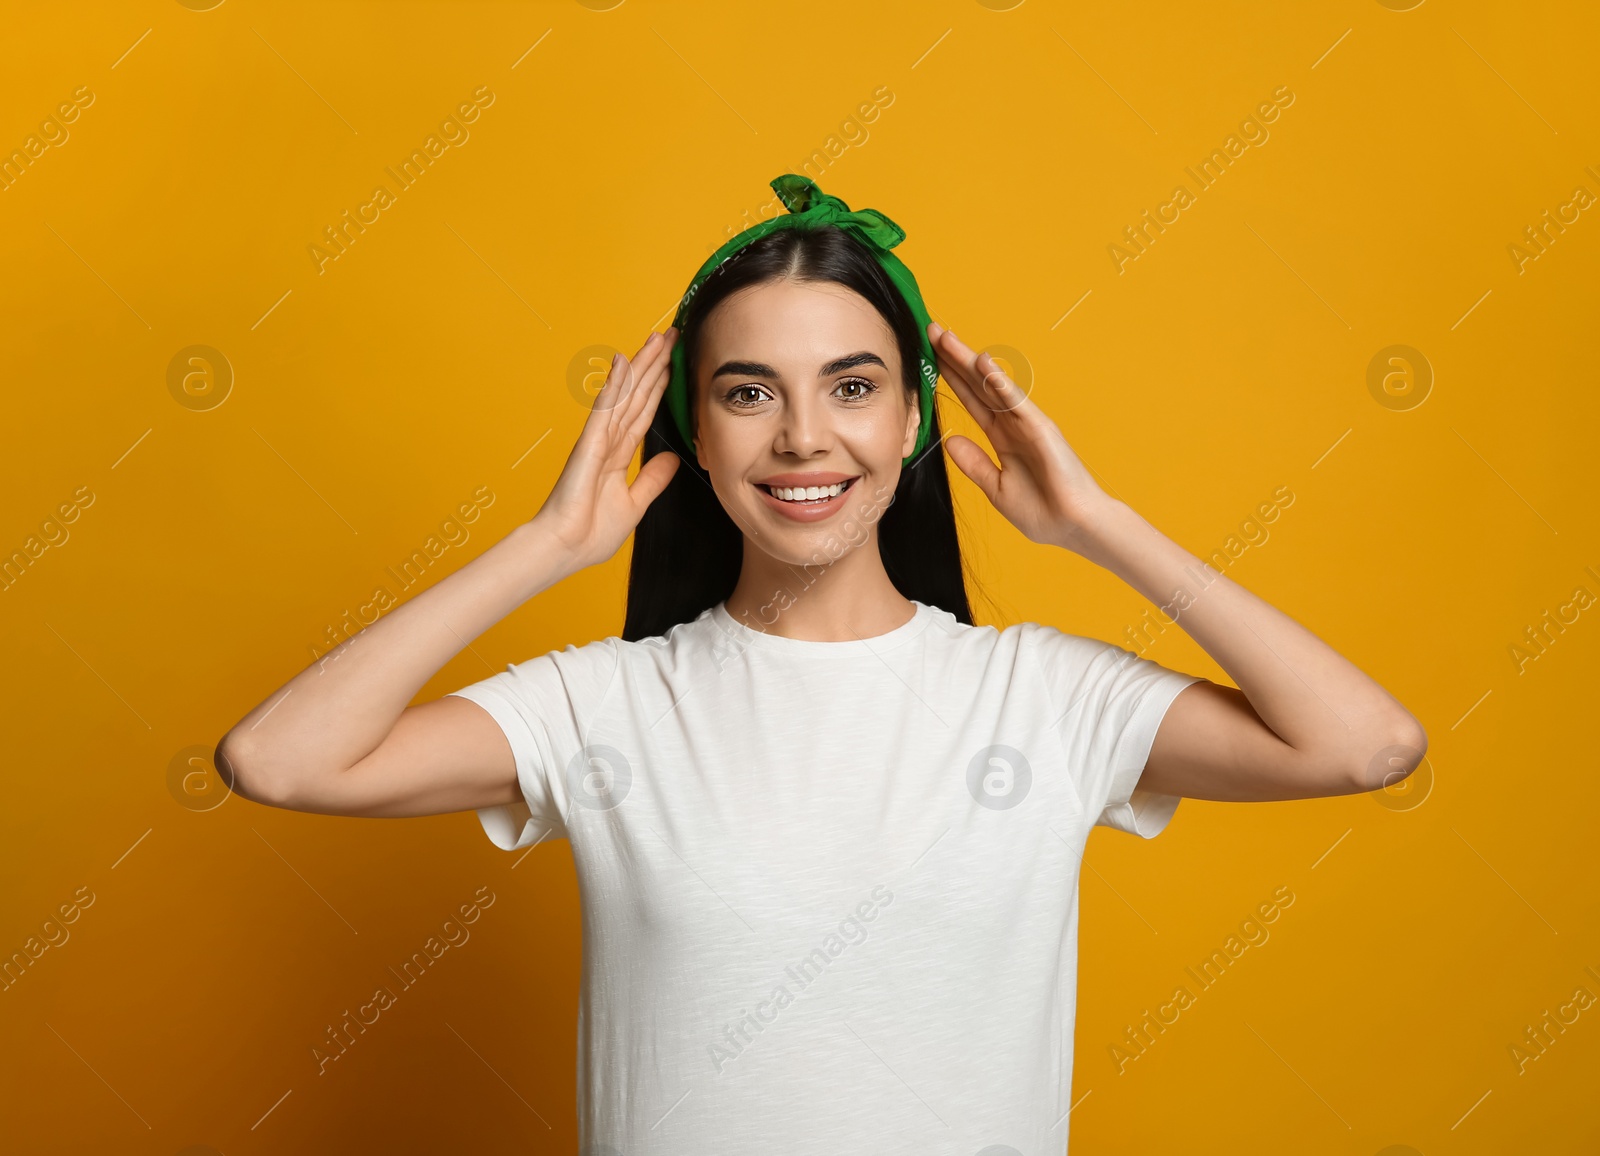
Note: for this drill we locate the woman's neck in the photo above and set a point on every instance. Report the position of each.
(824, 600)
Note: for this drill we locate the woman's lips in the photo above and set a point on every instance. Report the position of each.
(807, 511)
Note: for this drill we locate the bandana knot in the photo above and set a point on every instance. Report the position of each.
(801, 196)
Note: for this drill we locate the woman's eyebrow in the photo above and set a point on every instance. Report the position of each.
(850, 361)
(760, 369)
(744, 369)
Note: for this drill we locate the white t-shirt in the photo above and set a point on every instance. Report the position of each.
(829, 889)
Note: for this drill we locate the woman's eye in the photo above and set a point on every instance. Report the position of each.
(741, 395)
(861, 385)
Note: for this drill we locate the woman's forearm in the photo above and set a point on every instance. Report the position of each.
(337, 710)
(1312, 697)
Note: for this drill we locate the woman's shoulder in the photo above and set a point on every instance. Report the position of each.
(1021, 632)
(616, 652)
(1024, 642)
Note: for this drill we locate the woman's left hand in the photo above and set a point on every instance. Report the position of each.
(1041, 486)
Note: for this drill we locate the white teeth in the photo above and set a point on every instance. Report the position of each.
(806, 493)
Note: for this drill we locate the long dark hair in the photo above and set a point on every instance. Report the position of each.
(687, 551)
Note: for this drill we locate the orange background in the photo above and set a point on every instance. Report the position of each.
(213, 548)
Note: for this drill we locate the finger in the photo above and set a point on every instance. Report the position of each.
(652, 479)
(630, 371)
(620, 396)
(1004, 394)
(953, 367)
(654, 349)
(641, 407)
(982, 375)
(612, 388)
(656, 353)
(973, 462)
(651, 341)
(598, 422)
(969, 397)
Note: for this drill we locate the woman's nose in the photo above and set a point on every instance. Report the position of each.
(802, 426)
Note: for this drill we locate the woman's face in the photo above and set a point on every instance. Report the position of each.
(798, 384)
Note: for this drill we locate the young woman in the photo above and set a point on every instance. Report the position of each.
(827, 830)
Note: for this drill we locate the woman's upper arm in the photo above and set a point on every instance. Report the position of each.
(439, 757)
(1212, 745)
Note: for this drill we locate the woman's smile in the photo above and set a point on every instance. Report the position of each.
(806, 497)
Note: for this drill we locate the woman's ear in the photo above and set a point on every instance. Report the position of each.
(913, 424)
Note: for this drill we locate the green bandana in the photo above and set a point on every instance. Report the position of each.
(809, 207)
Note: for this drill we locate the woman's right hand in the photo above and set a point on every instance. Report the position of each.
(592, 509)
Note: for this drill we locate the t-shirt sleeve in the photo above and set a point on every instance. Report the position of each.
(545, 707)
(1111, 703)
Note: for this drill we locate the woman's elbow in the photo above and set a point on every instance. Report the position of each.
(247, 771)
(1395, 758)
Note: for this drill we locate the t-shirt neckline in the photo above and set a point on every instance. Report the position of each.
(875, 644)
